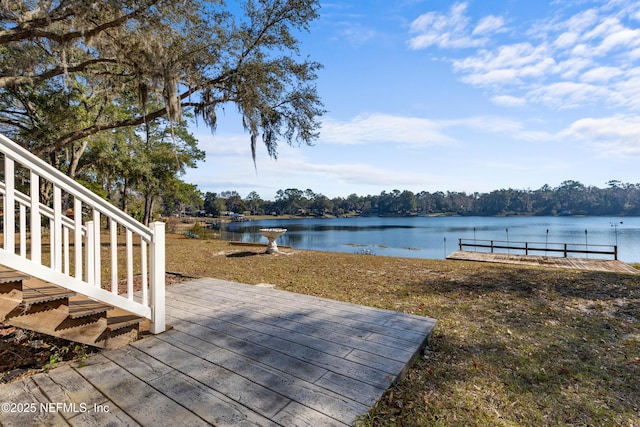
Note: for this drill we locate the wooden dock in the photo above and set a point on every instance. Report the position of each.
(238, 355)
(591, 264)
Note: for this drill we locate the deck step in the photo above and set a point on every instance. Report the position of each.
(36, 305)
(40, 294)
(118, 322)
(86, 307)
(9, 276)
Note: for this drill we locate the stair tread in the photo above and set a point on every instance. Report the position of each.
(44, 294)
(118, 322)
(86, 307)
(12, 276)
(57, 311)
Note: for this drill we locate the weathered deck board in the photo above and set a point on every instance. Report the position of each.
(590, 264)
(238, 355)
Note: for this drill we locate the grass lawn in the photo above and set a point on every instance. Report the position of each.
(514, 345)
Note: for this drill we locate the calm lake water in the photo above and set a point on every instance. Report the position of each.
(435, 237)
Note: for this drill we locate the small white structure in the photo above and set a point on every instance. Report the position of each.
(272, 234)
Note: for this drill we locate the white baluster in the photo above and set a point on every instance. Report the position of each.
(36, 221)
(56, 230)
(9, 206)
(77, 236)
(65, 244)
(90, 258)
(129, 265)
(113, 229)
(23, 231)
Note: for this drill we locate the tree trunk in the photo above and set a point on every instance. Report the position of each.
(148, 208)
(75, 158)
(125, 195)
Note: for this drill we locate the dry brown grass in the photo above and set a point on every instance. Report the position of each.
(514, 345)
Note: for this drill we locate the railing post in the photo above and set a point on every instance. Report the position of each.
(9, 206)
(492, 246)
(565, 250)
(526, 248)
(460, 243)
(615, 252)
(157, 278)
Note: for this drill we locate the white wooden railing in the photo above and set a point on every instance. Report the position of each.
(73, 221)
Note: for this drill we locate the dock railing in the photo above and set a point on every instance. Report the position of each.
(538, 248)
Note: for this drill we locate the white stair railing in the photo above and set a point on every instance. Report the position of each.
(73, 218)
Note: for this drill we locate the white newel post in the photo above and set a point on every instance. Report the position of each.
(157, 278)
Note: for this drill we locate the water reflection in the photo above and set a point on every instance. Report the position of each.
(433, 237)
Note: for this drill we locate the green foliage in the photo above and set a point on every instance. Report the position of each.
(72, 69)
(570, 198)
(102, 90)
(57, 354)
(197, 231)
(213, 204)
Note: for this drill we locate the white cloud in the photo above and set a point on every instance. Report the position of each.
(601, 74)
(619, 37)
(356, 34)
(571, 68)
(501, 126)
(508, 101)
(506, 65)
(566, 40)
(224, 144)
(448, 31)
(493, 77)
(627, 92)
(384, 128)
(611, 136)
(566, 61)
(566, 95)
(489, 24)
(417, 132)
(363, 174)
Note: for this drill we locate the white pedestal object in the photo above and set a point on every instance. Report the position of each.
(272, 234)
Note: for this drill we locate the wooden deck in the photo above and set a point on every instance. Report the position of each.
(237, 355)
(590, 264)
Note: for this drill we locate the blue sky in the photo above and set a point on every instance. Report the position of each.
(436, 95)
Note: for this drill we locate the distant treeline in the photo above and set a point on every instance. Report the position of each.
(570, 198)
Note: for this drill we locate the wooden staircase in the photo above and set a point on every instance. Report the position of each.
(39, 306)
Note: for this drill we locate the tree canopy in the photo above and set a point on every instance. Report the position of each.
(70, 69)
(569, 198)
